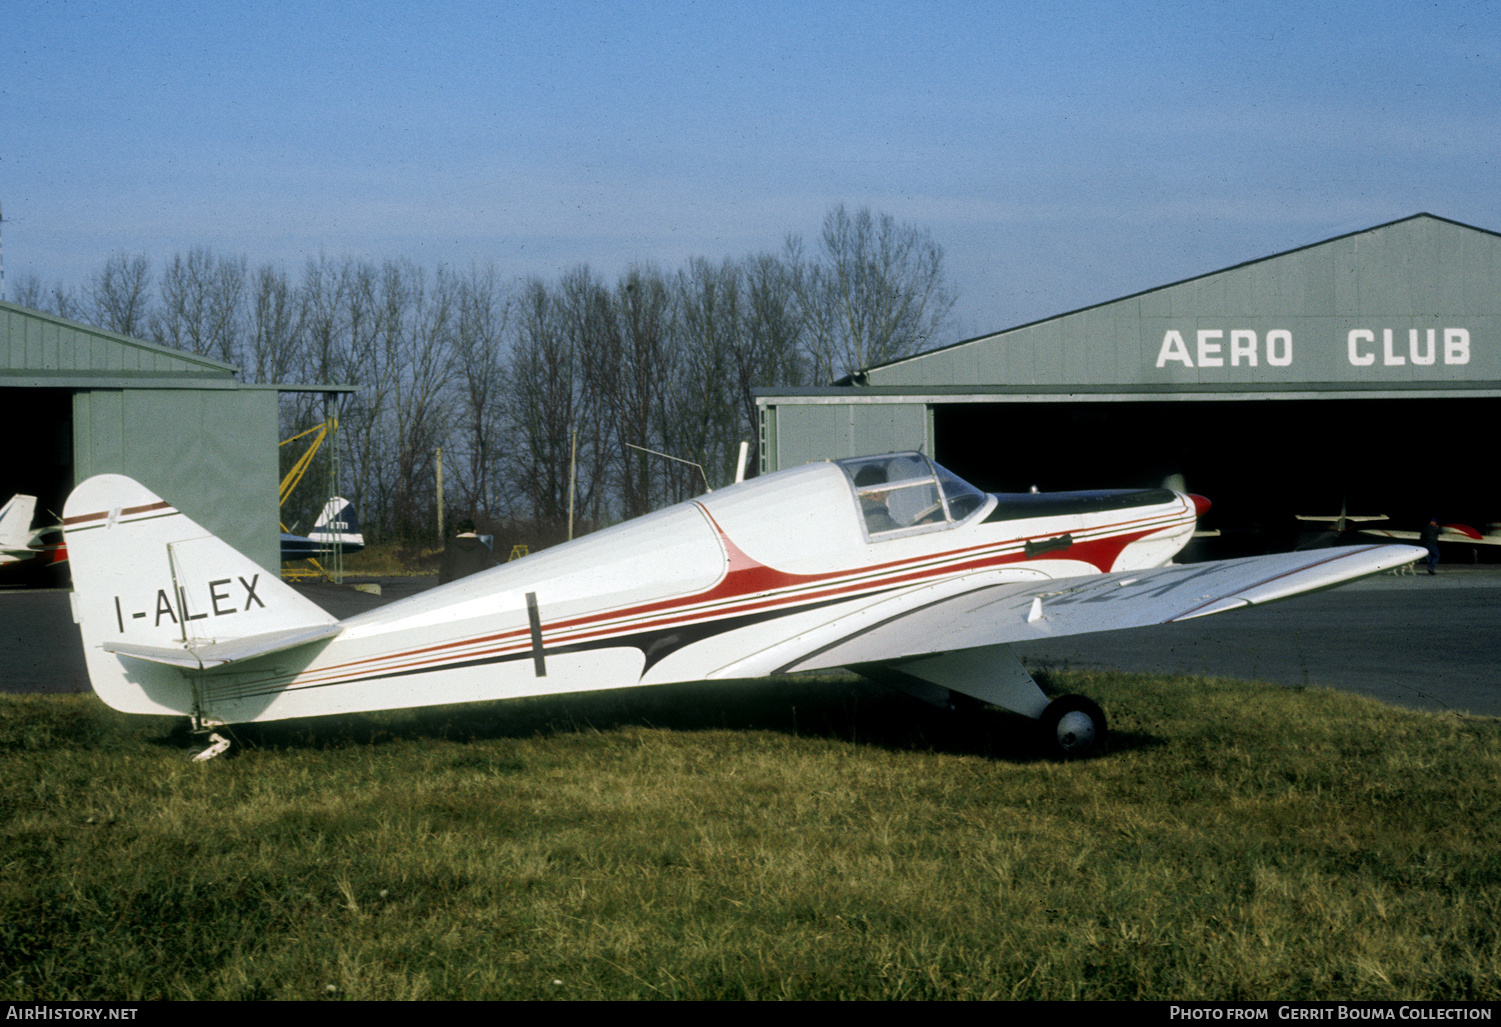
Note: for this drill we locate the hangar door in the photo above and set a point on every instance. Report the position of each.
(1259, 461)
(212, 453)
(37, 425)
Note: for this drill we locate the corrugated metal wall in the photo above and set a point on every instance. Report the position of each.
(210, 453)
(796, 433)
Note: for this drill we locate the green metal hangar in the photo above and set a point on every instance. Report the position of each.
(1362, 373)
(76, 401)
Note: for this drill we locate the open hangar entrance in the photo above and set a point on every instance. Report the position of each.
(1261, 461)
(38, 424)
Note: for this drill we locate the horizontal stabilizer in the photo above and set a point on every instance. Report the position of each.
(202, 655)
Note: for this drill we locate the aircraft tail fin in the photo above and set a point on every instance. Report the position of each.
(338, 523)
(15, 522)
(155, 593)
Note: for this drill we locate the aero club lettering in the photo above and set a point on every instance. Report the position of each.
(1214, 347)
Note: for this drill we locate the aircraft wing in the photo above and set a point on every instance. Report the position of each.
(990, 609)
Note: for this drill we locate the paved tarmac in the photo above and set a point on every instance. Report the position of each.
(1427, 643)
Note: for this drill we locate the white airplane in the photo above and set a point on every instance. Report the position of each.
(337, 523)
(17, 538)
(889, 565)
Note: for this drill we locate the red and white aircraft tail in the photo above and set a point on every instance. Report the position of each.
(150, 583)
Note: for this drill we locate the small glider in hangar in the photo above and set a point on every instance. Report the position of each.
(1459, 533)
(889, 565)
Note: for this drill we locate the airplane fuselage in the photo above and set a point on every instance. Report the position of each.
(722, 586)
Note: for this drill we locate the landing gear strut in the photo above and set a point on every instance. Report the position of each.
(1073, 728)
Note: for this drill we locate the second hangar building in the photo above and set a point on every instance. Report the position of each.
(1359, 373)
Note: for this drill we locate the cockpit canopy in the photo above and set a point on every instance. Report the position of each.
(904, 492)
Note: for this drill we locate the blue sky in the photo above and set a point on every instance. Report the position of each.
(1063, 154)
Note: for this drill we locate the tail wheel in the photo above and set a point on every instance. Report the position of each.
(218, 745)
(1073, 728)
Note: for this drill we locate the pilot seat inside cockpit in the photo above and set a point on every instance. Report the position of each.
(906, 493)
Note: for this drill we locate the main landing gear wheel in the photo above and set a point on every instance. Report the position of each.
(1073, 728)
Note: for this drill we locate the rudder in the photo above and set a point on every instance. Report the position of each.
(338, 523)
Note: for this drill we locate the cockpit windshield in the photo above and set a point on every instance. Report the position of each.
(903, 492)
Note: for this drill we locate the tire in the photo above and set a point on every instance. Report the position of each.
(1074, 728)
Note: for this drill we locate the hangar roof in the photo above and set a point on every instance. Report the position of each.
(1410, 305)
(42, 350)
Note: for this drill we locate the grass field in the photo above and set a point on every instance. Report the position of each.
(802, 838)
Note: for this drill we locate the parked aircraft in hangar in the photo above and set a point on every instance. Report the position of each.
(889, 565)
(16, 536)
(19, 541)
(337, 524)
(1343, 525)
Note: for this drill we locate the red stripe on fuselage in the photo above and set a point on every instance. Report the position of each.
(747, 586)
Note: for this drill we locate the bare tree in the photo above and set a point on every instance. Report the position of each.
(589, 325)
(120, 294)
(507, 383)
(637, 381)
(202, 304)
(484, 311)
(59, 300)
(363, 315)
(277, 318)
(311, 327)
(546, 392)
(30, 292)
(768, 350)
(702, 422)
(324, 305)
(876, 292)
(421, 356)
